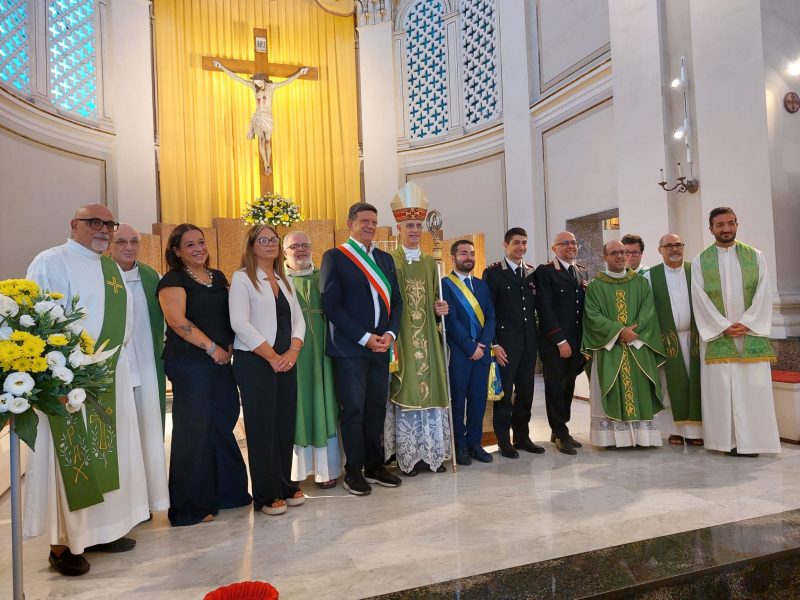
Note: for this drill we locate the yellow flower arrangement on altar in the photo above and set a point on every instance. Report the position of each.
(272, 209)
(47, 359)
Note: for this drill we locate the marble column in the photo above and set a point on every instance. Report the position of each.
(517, 121)
(378, 110)
(639, 121)
(731, 119)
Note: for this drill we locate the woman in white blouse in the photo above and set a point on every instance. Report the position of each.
(269, 327)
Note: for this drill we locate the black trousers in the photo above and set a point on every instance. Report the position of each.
(513, 411)
(362, 386)
(269, 403)
(559, 387)
(206, 469)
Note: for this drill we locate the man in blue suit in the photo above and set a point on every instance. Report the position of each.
(361, 299)
(470, 331)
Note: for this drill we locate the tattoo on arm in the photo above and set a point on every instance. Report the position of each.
(186, 329)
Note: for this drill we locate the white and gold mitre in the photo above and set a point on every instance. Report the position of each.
(409, 203)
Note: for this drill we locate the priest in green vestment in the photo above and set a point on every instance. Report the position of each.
(316, 438)
(671, 282)
(144, 348)
(417, 425)
(622, 339)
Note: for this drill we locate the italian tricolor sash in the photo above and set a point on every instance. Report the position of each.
(376, 277)
(87, 452)
(723, 349)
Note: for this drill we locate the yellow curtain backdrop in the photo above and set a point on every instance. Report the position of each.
(207, 166)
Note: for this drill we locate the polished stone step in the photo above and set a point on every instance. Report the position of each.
(750, 559)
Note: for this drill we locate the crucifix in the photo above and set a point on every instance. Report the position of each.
(261, 70)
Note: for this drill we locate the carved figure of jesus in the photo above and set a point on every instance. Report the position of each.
(261, 121)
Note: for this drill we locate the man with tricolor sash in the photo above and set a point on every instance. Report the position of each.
(680, 376)
(84, 481)
(732, 305)
(622, 339)
(147, 368)
(417, 426)
(361, 299)
(470, 331)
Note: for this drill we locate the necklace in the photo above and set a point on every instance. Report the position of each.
(209, 274)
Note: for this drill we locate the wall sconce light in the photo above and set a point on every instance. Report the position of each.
(684, 132)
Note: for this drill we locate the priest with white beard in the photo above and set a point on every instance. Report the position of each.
(733, 310)
(88, 504)
(147, 368)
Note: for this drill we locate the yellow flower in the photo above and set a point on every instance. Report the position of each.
(21, 290)
(33, 347)
(9, 352)
(87, 343)
(22, 364)
(56, 295)
(38, 364)
(57, 339)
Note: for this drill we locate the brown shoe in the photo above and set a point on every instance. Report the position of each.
(69, 564)
(676, 440)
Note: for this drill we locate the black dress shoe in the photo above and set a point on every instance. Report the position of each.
(412, 473)
(479, 454)
(508, 452)
(462, 457)
(575, 443)
(733, 452)
(357, 485)
(441, 469)
(123, 544)
(565, 447)
(382, 477)
(69, 564)
(529, 446)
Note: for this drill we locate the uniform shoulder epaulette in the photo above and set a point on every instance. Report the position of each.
(547, 264)
(494, 265)
(580, 266)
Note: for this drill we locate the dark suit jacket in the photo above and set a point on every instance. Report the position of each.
(459, 339)
(347, 302)
(514, 303)
(559, 303)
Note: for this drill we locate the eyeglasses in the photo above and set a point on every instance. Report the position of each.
(299, 246)
(566, 243)
(123, 243)
(97, 224)
(268, 241)
(673, 246)
(619, 253)
(630, 252)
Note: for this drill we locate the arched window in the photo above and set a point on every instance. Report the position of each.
(14, 63)
(69, 31)
(426, 70)
(480, 69)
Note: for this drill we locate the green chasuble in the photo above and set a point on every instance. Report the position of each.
(87, 451)
(317, 409)
(150, 280)
(420, 381)
(628, 376)
(684, 388)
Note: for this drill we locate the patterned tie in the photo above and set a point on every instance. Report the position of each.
(468, 283)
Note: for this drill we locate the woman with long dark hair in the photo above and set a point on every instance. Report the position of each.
(206, 469)
(269, 327)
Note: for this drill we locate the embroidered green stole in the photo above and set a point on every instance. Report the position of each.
(723, 349)
(150, 280)
(87, 452)
(684, 388)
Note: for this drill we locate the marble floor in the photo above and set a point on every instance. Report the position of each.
(434, 528)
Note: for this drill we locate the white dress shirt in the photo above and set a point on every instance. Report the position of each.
(253, 315)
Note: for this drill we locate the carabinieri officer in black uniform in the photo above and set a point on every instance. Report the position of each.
(513, 292)
(560, 286)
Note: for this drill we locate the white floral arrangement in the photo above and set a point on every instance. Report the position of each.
(272, 209)
(48, 360)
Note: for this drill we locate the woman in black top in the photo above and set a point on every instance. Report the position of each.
(206, 470)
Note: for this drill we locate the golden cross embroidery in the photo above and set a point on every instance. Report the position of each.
(77, 459)
(103, 443)
(115, 285)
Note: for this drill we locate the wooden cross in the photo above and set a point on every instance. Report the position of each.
(260, 65)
